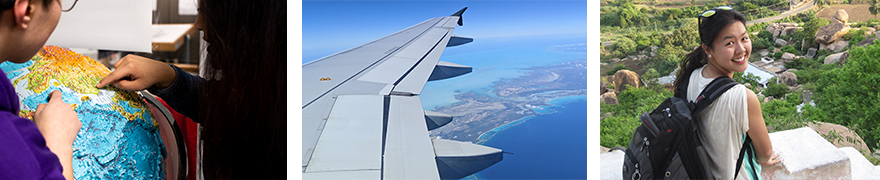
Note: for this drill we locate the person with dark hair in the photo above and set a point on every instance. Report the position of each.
(241, 102)
(725, 48)
(41, 149)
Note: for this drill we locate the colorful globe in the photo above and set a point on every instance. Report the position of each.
(119, 138)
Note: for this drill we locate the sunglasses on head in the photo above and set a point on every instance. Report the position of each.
(711, 12)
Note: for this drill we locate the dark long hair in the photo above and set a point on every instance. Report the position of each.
(243, 99)
(709, 29)
(8, 4)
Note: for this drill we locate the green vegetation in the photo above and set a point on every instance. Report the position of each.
(848, 95)
(749, 78)
(776, 89)
(855, 36)
(803, 63)
(618, 129)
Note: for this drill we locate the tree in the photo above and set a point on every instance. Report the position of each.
(667, 58)
(820, 3)
(775, 89)
(624, 46)
(874, 8)
(673, 13)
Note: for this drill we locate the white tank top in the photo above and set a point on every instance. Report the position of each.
(722, 126)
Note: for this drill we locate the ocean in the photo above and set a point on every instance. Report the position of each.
(551, 145)
(493, 59)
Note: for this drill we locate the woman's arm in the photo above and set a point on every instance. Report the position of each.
(758, 132)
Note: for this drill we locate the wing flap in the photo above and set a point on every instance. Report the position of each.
(352, 136)
(409, 153)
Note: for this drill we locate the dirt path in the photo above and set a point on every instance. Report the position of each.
(804, 6)
(857, 12)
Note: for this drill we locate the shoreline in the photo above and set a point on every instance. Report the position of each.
(488, 135)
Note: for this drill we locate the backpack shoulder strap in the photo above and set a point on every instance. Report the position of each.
(712, 91)
(742, 153)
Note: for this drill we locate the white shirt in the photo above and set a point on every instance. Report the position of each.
(722, 125)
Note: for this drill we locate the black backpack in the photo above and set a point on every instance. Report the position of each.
(666, 146)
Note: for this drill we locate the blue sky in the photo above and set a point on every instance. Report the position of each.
(332, 26)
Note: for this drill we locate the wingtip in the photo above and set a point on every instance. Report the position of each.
(460, 12)
(459, 15)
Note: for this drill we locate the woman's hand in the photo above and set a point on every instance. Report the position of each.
(137, 73)
(59, 125)
(773, 160)
(57, 121)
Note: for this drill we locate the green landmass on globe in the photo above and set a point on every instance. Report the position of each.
(119, 138)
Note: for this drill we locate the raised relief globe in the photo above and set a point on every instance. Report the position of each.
(119, 138)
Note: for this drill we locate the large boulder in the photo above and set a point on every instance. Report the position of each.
(844, 136)
(837, 57)
(772, 27)
(781, 42)
(609, 98)
(831, 32)
(625, 77)
(811, 53)
(787, 57)
(866, 42)
(841, 16)
(788, 78)
(836, 46)
(603, 87)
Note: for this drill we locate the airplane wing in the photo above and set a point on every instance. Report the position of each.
(362, 116)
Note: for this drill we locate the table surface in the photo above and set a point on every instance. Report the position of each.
(169, 33)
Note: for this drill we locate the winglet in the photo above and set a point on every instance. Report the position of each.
(459, 15)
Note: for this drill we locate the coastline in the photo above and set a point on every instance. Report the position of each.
(555, 103)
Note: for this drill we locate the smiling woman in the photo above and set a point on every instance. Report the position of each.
(735, 116)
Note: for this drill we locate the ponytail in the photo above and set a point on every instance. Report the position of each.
(693, 60)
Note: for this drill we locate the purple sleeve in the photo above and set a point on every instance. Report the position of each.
(23, 151)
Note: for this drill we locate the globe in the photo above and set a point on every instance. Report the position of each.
(119, 138)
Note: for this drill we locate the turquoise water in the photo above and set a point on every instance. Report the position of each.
(493, 59)
(551, 145)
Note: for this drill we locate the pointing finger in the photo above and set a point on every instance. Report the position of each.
(55, 95)
(112, 77)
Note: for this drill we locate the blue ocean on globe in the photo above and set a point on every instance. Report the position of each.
(118, 138)
(549, 145)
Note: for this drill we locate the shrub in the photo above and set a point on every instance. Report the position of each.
(802, 63)
(778, 55)
(775, 89)
(624, 46)
(789, 49)
(781, 115)
(749, 78)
